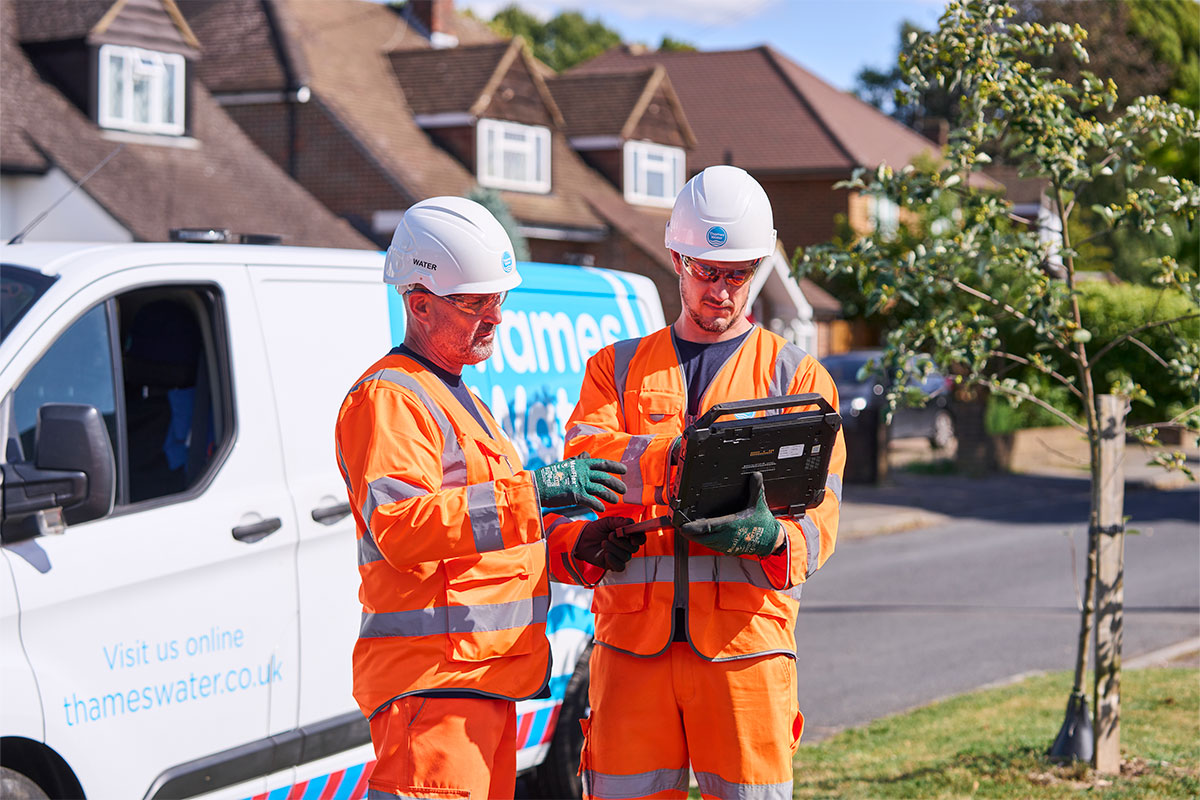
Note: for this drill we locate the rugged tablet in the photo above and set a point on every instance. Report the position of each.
(726, 444)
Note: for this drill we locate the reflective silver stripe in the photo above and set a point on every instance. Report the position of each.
(622, 356)
(345, 470)
(454, 463)
(714, 785)
(485, 517)
(632, 459)
(455, 619)
(368, 551)
(834, 484)
(787, 364)
(557, 521)
(642, 784)
(376, 794)
(794, 592)
(812, 542)
(642, 569)
(727, 569)
(381, 491)
(581, 429)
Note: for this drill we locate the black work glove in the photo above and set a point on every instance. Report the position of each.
(601, 546)
(580, 481)
(752, 531)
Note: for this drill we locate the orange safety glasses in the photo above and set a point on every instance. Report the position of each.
(474, 304)
(707, 272)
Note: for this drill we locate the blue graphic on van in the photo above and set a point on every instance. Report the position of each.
(717, 236)
(552, 324)
(506, 261)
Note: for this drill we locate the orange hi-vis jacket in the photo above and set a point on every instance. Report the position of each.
(451, 551)
(631, 408)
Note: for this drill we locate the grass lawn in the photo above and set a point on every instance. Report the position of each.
(992, 744)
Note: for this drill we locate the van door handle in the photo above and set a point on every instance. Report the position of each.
(328, 515)
(259, 530)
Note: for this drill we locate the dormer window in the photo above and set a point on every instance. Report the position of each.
(654, 173)
(141, 90)
(513, 156)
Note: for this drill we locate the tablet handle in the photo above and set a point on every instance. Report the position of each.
(787, 401)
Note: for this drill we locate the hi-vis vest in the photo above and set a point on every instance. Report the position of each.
(451, 553)
(631, 408)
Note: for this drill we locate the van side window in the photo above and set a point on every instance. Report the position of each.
(174, 413)
(153, 362)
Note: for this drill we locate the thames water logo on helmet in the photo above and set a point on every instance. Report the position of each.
(717, 236)
(506, 261)
(429, 265)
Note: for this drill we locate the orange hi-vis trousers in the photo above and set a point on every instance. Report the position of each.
(736, 722)
(444, 748)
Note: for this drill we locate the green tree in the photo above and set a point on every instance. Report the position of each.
(672, 45)
(561, 42)
(974, 290)
(881, 87)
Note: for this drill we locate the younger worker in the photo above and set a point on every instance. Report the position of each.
(450, 542)
(696, 662)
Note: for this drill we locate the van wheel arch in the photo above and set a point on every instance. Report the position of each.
(40, 765)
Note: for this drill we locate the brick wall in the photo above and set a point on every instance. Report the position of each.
(805, 209)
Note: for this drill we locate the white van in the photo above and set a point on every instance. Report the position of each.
(178, 601)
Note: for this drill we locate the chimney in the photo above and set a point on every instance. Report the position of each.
(435, 16)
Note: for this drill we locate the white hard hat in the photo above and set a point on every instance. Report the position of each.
(451, 245)
(722, 214)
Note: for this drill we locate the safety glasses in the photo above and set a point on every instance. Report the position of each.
(707, 272)
(474, 304)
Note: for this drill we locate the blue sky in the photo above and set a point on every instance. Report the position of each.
(833, 38)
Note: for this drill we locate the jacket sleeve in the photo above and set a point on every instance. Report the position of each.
(561, 535)
(811, 538)
(391, 453)
(598, 426)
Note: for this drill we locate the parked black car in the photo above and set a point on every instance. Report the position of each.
(863, 405)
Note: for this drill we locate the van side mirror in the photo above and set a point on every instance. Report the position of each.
(73, 471)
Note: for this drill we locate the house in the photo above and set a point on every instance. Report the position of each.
(795, 133)
(102, 91)
(373, 107)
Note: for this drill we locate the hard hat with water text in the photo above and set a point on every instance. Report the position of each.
(451, 245)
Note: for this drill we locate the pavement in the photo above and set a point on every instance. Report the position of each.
(922, 489)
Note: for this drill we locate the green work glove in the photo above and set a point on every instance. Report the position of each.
(753, 531)
(579, 481)
(601, 545)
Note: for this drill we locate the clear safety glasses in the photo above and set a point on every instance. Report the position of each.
(474, 304)
(708, 272)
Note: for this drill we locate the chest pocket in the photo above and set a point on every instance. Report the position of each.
(487, 459)
(657, 411)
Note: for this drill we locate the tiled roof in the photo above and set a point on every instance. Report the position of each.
(57, 20)
(599, 105)
(761, 111)
(246, 56)
(441, 81)
(217, 178)
(156, 24)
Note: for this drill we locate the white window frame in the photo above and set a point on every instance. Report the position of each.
(636, 177)
(496, 137)
(146, 64)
